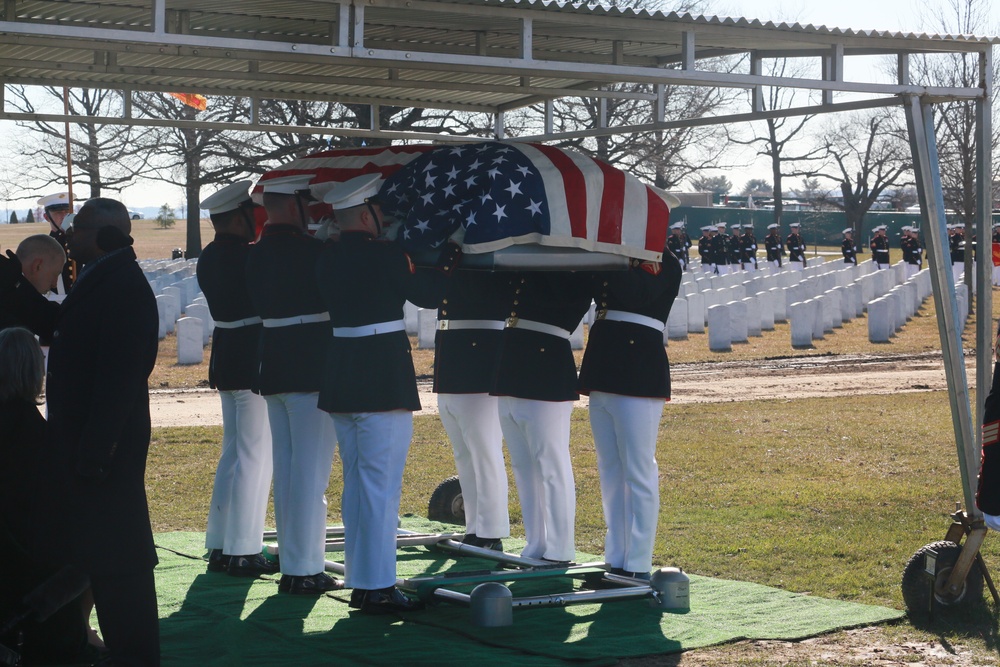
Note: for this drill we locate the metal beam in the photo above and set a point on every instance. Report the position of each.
(719, 120)
(984, 291)
(920, 123)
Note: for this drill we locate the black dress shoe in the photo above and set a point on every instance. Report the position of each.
(556, 563)
(383, 601)
(492, 543)
(216, 561)
(642, 576)
(312, 584)
(253, 565)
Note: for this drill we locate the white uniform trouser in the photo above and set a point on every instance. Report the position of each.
(957, 269)
(625, 430)
(473, 426)
(911, 270)
(996, 276)
(708, 268)
(303, 445)
(243, 476)
(776, 264)
(537, 435)
(722, 269)
(373, 447)
(992, 521)
(796, 264)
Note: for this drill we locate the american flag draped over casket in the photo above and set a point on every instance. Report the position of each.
(503, 194)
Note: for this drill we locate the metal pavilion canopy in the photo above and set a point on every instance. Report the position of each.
(494, 56)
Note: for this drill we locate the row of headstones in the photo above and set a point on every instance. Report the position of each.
(181, 306)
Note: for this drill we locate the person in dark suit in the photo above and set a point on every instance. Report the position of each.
(281, 279)
(466, 352)
(243, 477)
(627, 376)
(104, 343)
(42, 260)
(24, 450)
(369, 386)
(536, 383)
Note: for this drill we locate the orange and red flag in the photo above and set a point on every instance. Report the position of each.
(199, 102)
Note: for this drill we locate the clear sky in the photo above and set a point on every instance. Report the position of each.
(892, 15)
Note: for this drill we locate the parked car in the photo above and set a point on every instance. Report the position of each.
(135, 215)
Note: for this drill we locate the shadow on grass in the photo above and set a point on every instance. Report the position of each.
(976, 620)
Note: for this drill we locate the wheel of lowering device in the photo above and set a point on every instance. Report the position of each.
(446, 503)
(917, 582)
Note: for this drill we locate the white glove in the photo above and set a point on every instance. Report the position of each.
(458, 236)
(391, 232)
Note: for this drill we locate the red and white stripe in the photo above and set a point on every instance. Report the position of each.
(991, 433)
(343, 164)
(594, 206)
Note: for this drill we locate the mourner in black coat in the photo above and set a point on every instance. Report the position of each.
(988, 486)
(104, 343)
(24, 455)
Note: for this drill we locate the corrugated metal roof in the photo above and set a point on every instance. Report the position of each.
(463, 54)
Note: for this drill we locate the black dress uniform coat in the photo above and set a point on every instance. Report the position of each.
(281, 277)
(222, 276)
(956, 244)
(850, 254)
(104, 343)
(705, 250)
(735, 250)
(626, 358)
(675, 244)
(796, 248)
(748, 249)
(772, 244)
(465, 360)
(720, 249)
(911, 250)
(880, 249)
(70, 268)
(365, 281)
(534, 365)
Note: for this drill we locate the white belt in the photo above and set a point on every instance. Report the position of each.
(369, 329)
(276, 322)
(540, 327)
(236, 324)
(451, 325)
(633, 318)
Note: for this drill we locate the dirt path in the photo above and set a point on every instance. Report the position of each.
(719, 382)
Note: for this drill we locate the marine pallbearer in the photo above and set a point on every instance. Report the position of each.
(369, 385)
(243, 476)
(295, 330)
(626, 373)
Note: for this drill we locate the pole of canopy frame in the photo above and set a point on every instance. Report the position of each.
(69, 153)
(920, 122)
(984, 268)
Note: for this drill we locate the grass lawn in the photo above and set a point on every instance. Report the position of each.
(825, 496)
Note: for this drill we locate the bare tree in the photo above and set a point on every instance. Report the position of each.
(955, 122)
(105, 156)
(719, 186)
(195, 157)
(867, 156)
(782, 140)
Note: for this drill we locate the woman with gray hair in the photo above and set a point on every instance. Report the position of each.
(63, 637)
